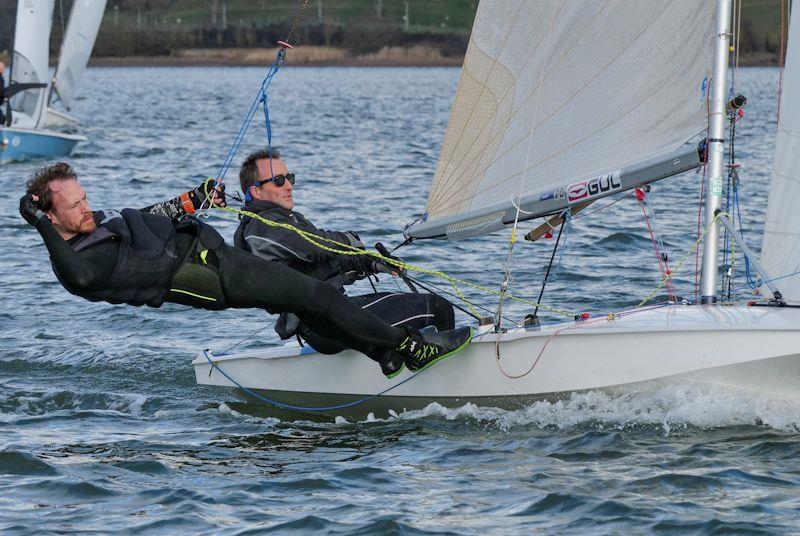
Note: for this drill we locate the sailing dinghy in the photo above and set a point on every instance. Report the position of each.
(23, 135)
(560, 104)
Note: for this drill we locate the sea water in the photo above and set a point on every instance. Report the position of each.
(102, 427)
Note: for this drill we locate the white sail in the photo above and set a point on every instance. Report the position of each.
(29, 63)
(84, 23)
(781, 248)
(556, 93)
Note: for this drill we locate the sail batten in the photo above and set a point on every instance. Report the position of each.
(551, 91)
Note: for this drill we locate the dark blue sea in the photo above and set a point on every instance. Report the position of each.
(103, 429)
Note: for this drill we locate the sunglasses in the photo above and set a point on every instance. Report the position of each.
(278, 180)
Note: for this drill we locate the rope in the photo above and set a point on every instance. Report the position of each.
(347, 249)
(655, 238)
(683, 260)
(283, 405)
(296, 20)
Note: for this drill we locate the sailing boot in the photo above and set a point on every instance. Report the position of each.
(422, 351)
(392, 364)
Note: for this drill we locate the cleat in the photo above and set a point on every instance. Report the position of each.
(422, 351)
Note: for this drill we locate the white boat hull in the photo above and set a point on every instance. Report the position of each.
(745, 347)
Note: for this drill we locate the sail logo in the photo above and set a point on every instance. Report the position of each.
(577, 191)
(593, 187)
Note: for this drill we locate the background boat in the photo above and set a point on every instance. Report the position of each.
(24, 136)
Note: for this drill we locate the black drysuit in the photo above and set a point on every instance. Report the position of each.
(287, 247)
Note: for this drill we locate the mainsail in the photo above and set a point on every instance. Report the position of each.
(29, 62)
(781, 248)
(84, 23)
(562, 102)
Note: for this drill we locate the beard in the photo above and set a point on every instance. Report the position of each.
(84, 226)
(87, 226)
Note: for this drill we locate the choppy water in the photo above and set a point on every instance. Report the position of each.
(102, 427)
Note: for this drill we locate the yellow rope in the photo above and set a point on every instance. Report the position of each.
(348, 249)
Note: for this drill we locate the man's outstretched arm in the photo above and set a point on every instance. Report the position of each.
(191, 201)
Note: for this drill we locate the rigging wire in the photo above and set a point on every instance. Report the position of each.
(564, 222)
(701, 195)
(780, 64)
(513, 238)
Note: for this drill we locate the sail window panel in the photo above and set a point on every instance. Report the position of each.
(594, 86)
(28, 101)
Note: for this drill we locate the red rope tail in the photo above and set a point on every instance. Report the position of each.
(663, 265)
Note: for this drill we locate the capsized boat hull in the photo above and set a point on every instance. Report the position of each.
(744, 347)
(18, 144)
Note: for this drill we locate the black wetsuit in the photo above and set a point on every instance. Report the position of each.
(147, 259)
(286, 247)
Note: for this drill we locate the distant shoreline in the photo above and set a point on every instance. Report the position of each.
(319, 56)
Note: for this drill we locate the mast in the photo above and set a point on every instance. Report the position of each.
(716, 153)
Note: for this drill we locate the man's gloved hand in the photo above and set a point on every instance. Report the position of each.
(29, 210)
(355, 240)
(379, 266)
(287, 325)
(207, 189)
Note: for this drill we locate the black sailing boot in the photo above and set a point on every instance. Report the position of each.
(392, 364)
(422, 351)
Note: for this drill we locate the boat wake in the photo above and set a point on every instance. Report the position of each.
(667, 408)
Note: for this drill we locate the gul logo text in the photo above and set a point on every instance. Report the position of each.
(593, 187)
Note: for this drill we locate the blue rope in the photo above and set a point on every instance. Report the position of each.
(261, 98)
(751, 281)
(770, 280)
(303, 408)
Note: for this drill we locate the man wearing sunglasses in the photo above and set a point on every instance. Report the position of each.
(161, 254)
(268, 187)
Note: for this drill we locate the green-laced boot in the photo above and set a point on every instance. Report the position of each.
(422, 351)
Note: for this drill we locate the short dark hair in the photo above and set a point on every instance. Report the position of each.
(39, 183)
(248, 175)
